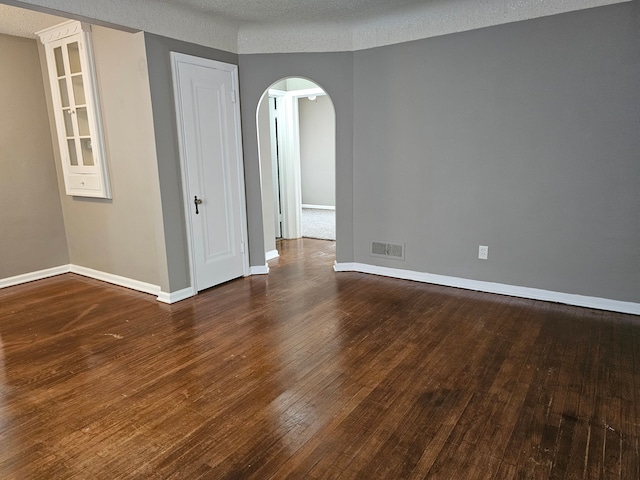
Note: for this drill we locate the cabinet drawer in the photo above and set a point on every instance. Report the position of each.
(83, 182)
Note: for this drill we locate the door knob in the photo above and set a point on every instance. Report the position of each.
(197, 201)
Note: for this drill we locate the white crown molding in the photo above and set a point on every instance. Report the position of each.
(169, 19)
(491, 287)
(63, 30)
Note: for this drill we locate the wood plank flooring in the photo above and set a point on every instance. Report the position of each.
(307, 373)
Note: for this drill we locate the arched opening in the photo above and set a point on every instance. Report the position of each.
(296, 145)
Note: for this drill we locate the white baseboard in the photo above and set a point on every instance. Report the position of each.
(271, 255)
(137, 285)
(102, 276)
(491, 287)
(116, 279)
(174, 297)
(318, 207)
(346, 267)
(32, 276)
(259, 270)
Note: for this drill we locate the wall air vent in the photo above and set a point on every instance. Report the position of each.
(387, 250)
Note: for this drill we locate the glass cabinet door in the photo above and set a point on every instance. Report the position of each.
(73, 101)
(77, 108)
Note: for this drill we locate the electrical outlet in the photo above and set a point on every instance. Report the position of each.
(483, 252)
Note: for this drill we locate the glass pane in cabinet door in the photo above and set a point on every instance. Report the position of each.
(78, 90)
(68, 122)
(83, 121)
(74, 57)
(57, 53)
(64, 93)
(87, 152)
(73, 155)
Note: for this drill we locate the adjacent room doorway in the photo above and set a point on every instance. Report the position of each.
(296, 138)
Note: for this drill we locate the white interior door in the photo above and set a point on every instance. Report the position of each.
(208, 117)
(289, 166)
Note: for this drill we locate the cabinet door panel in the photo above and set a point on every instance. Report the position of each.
(73, 155)
(75, 65)
(64, 92)
(87, 152)
(78, 90)
(77, 108)
(83, 121)
(57, 52)
(68, 122)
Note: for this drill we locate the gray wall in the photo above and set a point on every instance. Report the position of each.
(168, 160)
(317, 151)
(121, 236)
(32, 235)
(523, 137)
(334, 73)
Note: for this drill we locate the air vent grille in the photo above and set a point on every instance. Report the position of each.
(387, 250)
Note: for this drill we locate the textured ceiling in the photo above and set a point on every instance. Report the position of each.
(271, 26)
(295, 11)
(23, 23)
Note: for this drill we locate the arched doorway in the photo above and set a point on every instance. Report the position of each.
(296, 144)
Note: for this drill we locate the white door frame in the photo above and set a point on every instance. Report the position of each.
(186, 194)
(275, 148)
(289, 158)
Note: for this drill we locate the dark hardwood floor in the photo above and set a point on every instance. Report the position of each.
(307, 373)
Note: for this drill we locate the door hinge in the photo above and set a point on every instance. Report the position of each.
(242, 248)
(233, 96)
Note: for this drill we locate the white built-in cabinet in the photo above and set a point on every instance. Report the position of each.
(77, 108)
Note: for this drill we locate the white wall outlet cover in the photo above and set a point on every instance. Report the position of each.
(483, 252)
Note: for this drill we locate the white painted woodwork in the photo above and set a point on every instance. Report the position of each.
(76, 106)
(290, 182)
(287, 181)
(208, 118)
(273, 127)
(492, 287)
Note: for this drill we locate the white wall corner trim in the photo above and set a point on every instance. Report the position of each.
(259, 269)
(116, 279)
(491, 287)
(176, 296)
(271, 255)
(32, 276)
